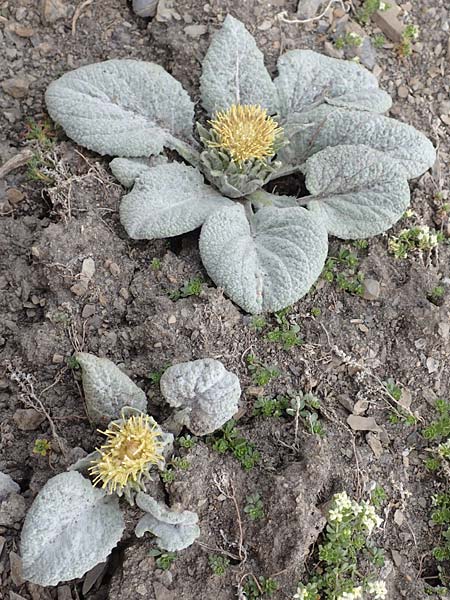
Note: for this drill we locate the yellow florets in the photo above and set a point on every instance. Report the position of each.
(245, 132)
(132, 447)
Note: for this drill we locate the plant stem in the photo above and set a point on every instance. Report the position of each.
(286, 170)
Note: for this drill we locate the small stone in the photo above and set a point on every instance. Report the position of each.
(331, 50)
(12, 510)
(397, 558)
(403, 91)
(14, 596)
(114, 269)
(345, 402)
(64, 593)
(14, 196)
(88, 311)
(145, 8)
(360, 407)
(124, 293)
(371, 289)
(195, 31)
(80, 288)
(161, 592)
(57, 359)
(52, 11)
(399, 517)
(265, 25)
(358, 423)
(88, 268)
(389, 23)
(7, 486)
(432, 365)
(17, 87)
(16, 569)
(22, 30)
(28, 419)
(306, 9)
(444, 329)
(375, 445)
(255, 391)
(172, 319)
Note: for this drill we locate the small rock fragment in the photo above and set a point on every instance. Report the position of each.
(399, 517)
(28, 419)
(358, 423)
(12, 510)
(306, 9)
(375, 444)
(14, 196)
(345, 402)
(172, 320)
(403, 91)
(145, 8)
(88, 311)
(389, 23)
(88, 268)
(64, 592)
(371, 289)
(52, 11)
(7, 486)
(432, 365)
(17, 87)
(360, 407)
(161, 592)
(16, 569)
(195, 31)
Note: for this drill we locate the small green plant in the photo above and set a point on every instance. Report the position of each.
(345, 548)
(155, 376)
(258, 588)
(343, 269)
(436, 295)
(420, 238)
(219, 564)
(440, 428)
(72, 363)
(187, 441)
(42, 132)
(168, 475)
(285, 333)
(164, 560)
(305, 407)
(41, 447)
(378, 496)
(315, 312)
(351, 39)
(258, 322)
(409, 35)
(261, 374)
(254, 507)
(270, 407)
(394, 390)
(155, 264)
(378, 41)
(368, 9)
(193, 287)
(228, 439)
(180, 463)
(401, 416)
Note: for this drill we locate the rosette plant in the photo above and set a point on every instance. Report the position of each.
(321, 118)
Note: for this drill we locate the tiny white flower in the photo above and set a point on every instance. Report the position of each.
(378, 589)
(335, 515)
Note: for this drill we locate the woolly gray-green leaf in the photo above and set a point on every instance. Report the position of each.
(168, 200)
(234, 71)
(174, 530)
(121, 107)
(307, 79)
(107, 389)
(269, 265)
(206, 392)
(357, 192)
(329, 126)
(127, 170)
(70, 527)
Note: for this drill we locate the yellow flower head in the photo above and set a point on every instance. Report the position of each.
(132, 447)
(245, 132)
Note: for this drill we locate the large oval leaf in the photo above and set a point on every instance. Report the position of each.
(206, 392)
(331, 126)
(168, 200)
(307, 79)
(107, 389)
(234, 71)
(357, 192)
(70, 527)
(268, 265)
(121, 107)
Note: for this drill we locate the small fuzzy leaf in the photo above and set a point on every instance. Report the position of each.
(70, 527)
(206, 392)
(269, 265)
(127, 170)
(168, 200)
(121, 107)
(107, 389)
(307, 79)
(357, 192)
(234, 71)
(174, 530)
(329, 126)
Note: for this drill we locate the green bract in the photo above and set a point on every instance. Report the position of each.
(264, 250)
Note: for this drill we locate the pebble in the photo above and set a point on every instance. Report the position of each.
(375, 445)
(403, 91)
(12, 510)
(389, 23)
(64, 593)
(88, 311)
(57, 359)
(53, 10)
(371, 289)
(21, 30)
(16, 569)
(28, 419)
(145, 8)
(14, 196)
(114, 269)
(195, 31)
(307, 9)
(358, 423)
(17, 87)
(360, 407)
(345, 402)
(172, 319)
(161, 592)
(7, 486)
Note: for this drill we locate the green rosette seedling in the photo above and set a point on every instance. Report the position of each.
(321, 118)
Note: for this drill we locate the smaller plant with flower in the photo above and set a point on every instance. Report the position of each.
(345, 546)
